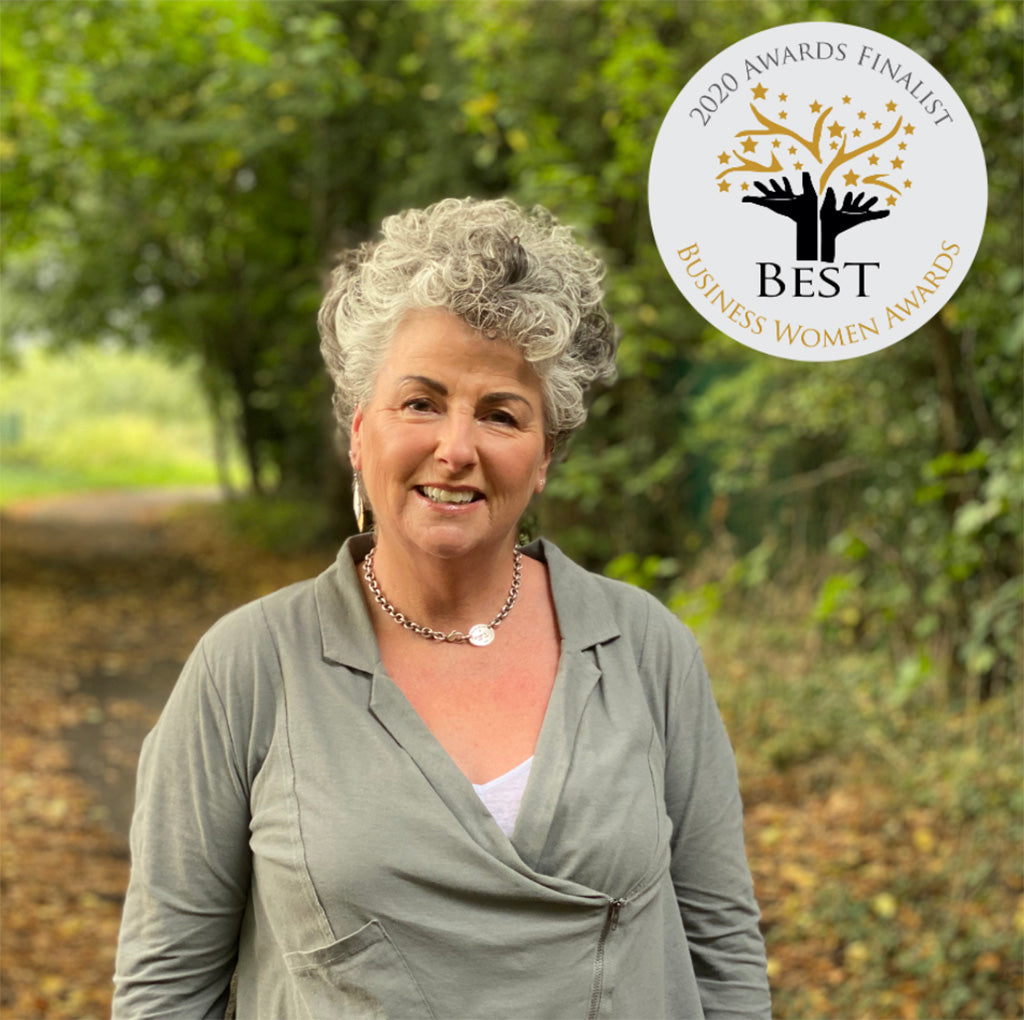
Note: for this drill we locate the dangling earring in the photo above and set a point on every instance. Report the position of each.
(357, 503)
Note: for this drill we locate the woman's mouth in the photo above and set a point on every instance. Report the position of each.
(440, 495)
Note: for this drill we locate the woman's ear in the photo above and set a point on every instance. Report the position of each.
(542, 472)
(355, 441)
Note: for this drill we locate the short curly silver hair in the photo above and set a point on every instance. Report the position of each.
(514, 276)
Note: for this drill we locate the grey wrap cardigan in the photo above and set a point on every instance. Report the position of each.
(297, 820)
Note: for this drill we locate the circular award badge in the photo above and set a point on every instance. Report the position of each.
(817, 191)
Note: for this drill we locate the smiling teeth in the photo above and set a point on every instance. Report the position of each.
(446, 495)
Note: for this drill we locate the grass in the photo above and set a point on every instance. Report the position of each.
(99, 418)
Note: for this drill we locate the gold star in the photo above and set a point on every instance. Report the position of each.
(873, 160)
(891, 200)
(744, 186)
(782, 114)
(833, 145)
(723, 186)
(723, 157)
(798, 166)
(856, 132)
(776, 143)
(903, 145)
(861, 115)
(815, 106)
(759, 91)
(908, 184)
(897, 163)
(890, 106)
(792, 150)
(783, 97)
(749, 145)
(835, 129)
(909, 129)
(846, 99)
(877, 125)
(850, 179)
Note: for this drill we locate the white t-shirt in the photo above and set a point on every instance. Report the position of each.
(502, 796)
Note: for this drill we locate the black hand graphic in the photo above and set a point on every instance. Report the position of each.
(835, 220)
(802, 209)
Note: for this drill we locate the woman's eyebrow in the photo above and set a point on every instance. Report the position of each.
(431, 384)
(442, 390)
(497, 398)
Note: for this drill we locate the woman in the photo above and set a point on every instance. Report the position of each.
(449, 777)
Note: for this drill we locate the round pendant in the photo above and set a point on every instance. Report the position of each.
(481, 635)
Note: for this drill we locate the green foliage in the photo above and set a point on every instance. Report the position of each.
(99, 418)
(182, 171)
(908, 464)
(285, 526)
(643, 572)
(953, 591)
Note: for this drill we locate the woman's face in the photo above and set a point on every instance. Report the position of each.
(451, 445)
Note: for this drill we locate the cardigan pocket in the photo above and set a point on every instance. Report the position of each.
(361, 977)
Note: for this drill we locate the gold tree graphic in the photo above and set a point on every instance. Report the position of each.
(825, 149)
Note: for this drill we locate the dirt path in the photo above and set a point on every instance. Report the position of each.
(104, 596)
(103, 563)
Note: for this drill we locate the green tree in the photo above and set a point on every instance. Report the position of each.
(179, 174)
(908, 462)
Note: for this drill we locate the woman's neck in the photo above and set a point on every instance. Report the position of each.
(444, 593)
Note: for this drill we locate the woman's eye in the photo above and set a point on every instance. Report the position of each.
(418, 404)
(502, 417)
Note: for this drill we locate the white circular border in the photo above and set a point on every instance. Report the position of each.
(934, 227)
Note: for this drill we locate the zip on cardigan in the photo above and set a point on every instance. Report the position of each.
(611, 922)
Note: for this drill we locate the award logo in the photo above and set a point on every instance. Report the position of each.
(817, 191)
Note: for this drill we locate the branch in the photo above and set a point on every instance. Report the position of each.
(842, 156)
(877, 179)
(819, 476)
(975, 396)
(749, 164)
(813, 146)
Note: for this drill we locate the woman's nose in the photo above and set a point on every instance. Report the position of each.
(456, 446)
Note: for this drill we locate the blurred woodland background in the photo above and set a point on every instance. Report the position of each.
(846, 539)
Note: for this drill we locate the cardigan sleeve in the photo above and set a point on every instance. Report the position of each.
(190, 859)
(709, 867)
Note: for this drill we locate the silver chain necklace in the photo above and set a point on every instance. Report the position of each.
(480, 635)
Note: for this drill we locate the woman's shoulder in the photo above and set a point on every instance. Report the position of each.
(323, 618)
(251, 632)
(595, 602)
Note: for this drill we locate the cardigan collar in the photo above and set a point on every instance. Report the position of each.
(585, 617)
